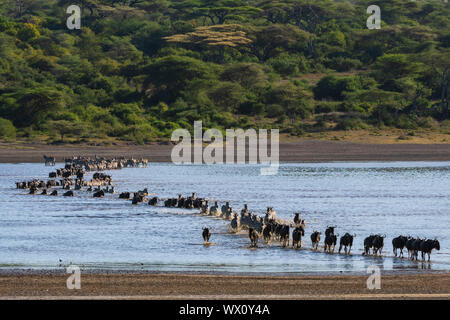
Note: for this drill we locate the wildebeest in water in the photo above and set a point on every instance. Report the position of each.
(346, 241)
(253, 235)
(315, 239)
(206, 234)
(399, 243)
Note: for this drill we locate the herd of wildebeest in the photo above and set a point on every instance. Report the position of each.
(268, 227)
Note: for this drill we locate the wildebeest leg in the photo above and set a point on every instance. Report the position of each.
(395, 251)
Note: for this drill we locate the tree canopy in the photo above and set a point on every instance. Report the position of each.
(139, 69)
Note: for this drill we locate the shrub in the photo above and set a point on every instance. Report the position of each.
(350, 124)
(7, 129)
(274, 110)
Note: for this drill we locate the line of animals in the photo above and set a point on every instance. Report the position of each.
(269, 227)
(99, 163)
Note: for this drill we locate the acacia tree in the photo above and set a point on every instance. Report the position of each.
(216, 36)
(217, 11)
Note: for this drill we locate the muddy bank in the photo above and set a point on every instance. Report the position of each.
(302, 151)
(50, 285)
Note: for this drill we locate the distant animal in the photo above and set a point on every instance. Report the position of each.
(346, 241)
(33, 190)
(297, 237)
(253, 235)
(206, 234)
(99, 194)
(235, 222)
(426, 246)
(297, 218)
(268, 231)
(124, 195)
(330, 239)
(378, 243)
(409, 247)
(399, 243)
(330, 243)
(68, 194)
(153, 201)
(284, 235)
(315, 239)
(54, 193)
(368, 244)
(138, 198)
(416, 248)
(49, 161)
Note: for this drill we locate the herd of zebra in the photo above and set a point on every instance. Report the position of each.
(269, 227)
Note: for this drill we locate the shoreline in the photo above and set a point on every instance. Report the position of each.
(300, 151)
(212, 286)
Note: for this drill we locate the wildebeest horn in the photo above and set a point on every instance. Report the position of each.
(384, 236)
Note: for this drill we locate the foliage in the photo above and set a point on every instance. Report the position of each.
(138, 69)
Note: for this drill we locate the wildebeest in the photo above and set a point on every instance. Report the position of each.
(297, 237)
(284, 235)
(235, 222)
(377, 244)
(399, 243)
(416, 248)
(409, 247)
(153, 201)
(206, 234)
(330, 243)
(267, 232)
(226, 211)
(49, 161)
(33, 190)
(330, 239)
(253, 235)
(297, 218)
(205, 207)
(54, 193)
(214, 210)
(124, 195)
(426, 246)
(99, 194)
(368, 244)
(270, 215)
(68, 194)
(315, 239)
(137, 198)
(346, 241)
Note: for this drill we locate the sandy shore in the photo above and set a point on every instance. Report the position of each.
(301, 151)
(187, 286)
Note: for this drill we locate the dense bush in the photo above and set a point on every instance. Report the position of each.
(139, 69)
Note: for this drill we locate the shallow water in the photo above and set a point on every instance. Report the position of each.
(410, 198)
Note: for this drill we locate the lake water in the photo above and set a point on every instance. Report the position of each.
(410, 198)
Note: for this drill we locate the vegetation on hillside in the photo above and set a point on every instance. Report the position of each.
(138, 69)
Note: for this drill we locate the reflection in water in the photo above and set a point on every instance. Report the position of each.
(362, 198)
